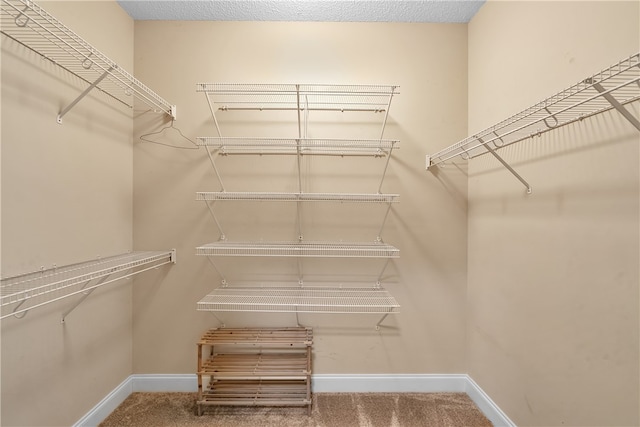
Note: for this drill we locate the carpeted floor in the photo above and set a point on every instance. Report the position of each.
(329, 410)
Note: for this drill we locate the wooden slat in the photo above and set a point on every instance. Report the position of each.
(272, 393)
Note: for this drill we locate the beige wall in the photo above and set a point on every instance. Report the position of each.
(66, 197)
(428, 225)
(553, 276)
(548, 323)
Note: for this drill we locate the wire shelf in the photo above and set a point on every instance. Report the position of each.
(28, 24)
(300, 300)
(46, 286)
(619, 84)
(301, 146)
(300, 249)
(318, 97)
(297, 197)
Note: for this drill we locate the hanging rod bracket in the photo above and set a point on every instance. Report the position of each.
(506, 165)
(66, 109)
(614, 102)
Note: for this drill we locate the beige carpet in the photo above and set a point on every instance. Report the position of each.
(329, 410)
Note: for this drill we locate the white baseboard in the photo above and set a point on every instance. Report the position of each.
(486, 405)
(321, 383)
(389, 383)
(106, 405)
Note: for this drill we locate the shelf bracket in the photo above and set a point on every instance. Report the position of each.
(384, 221)
(223, 237)
(386, 112)
(223, 279)
(381, 320)
(614, 102)
(506, 165)
(83, 297)
(386, 166)
(379, 279)
(66, 109)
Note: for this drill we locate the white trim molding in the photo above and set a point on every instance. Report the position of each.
(486, 405)
(388, 383)
(321, 383)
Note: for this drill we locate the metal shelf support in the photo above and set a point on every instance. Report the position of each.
(626, 113)
(66, 109)
(506, 165)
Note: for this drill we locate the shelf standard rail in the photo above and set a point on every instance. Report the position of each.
(612, 88)
(19, 294)
(31, 26)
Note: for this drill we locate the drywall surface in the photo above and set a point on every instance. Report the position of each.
(553, 276)
(66, 198)
(428, 225)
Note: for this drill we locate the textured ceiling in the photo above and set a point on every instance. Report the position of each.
(454, 11)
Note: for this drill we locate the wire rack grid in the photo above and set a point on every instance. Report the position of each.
(300, 300)
(240, 96)
(300, 249)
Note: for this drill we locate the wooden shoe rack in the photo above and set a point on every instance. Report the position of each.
(255, 367)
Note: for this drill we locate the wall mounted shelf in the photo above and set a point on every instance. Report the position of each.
(25, 292)
(300, 249)
(373, 300)
(284, 97)
(30, 25)
(612, 88)
(298, 197)
(299, 146)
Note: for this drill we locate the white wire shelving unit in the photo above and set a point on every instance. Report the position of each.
(612, 88)
(31, 26)
(301, 100)
(21, 293)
